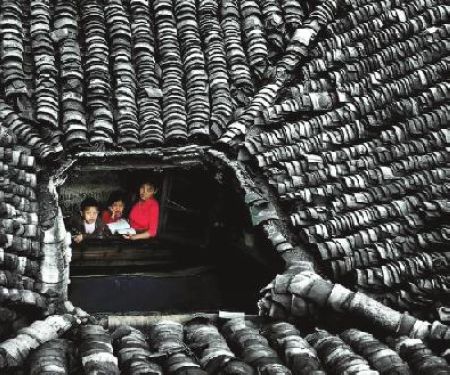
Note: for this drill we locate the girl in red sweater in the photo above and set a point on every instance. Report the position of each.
(116, 205)
(144, 215)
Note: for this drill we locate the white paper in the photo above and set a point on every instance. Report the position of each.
(121, 227)
(126, 231)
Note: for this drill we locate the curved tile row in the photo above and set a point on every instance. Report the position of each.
(199, 346)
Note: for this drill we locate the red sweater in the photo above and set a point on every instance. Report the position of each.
(107, 217)
(145, 216)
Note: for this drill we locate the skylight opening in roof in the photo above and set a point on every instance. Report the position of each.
(204, 257)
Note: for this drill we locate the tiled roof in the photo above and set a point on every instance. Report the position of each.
(300, 292)
(20, 250)
(341, 106)
(204, 346)
(136, 73)
(356, 149)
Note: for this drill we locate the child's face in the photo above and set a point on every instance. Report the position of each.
(146, 191)
(90, 214)
(117, 207)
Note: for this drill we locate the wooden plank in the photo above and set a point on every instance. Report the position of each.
(124, 255)
(121, 253)
(88, 266)
(167, 183)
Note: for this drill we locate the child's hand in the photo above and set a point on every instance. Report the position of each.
(78, 238)
(116, 214)
(128, 236)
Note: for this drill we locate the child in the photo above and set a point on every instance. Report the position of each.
(116, 205)
(88, 224)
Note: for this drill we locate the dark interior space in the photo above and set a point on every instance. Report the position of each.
(206, 256)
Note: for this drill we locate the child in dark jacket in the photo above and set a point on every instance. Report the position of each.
(88, 224)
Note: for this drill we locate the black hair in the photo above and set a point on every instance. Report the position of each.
(88, 202)
(148, 182)
(115, 196)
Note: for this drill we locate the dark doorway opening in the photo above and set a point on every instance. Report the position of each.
(207, 255)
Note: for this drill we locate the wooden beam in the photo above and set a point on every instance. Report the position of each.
(128, 166)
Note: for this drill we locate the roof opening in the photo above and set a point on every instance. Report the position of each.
(206, 254)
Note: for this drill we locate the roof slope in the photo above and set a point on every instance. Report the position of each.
(342, 106)
(135, 73)
(346, 118)
(357, 149)
(204, 346)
